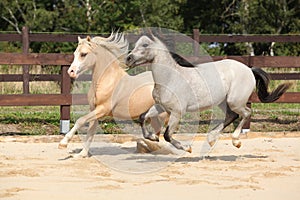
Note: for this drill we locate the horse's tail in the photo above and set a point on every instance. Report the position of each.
(262, 84)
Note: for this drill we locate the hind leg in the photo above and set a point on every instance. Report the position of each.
(237, 99)
(245, 113)
(229, 118)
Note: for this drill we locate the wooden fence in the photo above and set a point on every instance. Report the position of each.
(64, 99)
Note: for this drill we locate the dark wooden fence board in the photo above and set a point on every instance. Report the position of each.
(35, 59)
(289, 97)
(285, 76)
(11, 37)
(35, 100)
(32, 77)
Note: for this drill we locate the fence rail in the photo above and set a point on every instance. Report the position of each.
(65, 100)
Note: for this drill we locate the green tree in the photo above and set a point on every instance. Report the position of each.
(18, 13)
(245, 17)
(266, 17)
(87, 16)
(210, 16)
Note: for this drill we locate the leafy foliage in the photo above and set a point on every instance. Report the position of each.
(210, 16)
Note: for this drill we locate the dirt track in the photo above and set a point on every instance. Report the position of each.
(263, 168)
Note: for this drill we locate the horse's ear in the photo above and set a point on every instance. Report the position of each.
(88, 38)
(79, 39)
(150, 35)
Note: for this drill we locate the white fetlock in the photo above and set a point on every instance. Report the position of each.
(237, 143)
(212, 138)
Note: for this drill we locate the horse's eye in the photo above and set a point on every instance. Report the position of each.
(83, 54)
(145, 45)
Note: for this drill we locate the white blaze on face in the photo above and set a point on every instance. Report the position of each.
(74, 68)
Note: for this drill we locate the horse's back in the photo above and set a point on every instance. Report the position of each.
(241, 74)
(232, 72)
(226, 78)
(236, 67)
(241, 81)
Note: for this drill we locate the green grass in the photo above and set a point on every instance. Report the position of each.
(30, 120)
(292, 107)
(275, 117)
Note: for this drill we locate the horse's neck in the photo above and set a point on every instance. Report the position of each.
(107, 75)
(162, 65)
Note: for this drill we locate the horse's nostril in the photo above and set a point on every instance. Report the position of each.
(72, 73)
(129, 58)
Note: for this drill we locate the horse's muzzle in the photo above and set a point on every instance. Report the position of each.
(130, 61)
(72, 73)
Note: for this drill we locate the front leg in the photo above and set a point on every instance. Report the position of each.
(172, 125)
(88, 140)
(153, 114)
(78, 124)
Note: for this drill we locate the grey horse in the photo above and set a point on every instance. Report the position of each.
(187, 88)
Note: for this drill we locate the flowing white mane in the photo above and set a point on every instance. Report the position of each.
(115, 43)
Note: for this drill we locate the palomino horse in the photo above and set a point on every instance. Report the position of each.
(180, 89)
(112, 92)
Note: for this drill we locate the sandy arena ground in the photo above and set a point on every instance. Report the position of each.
(267, 166)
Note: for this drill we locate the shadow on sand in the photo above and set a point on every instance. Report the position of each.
(129, 153)
(228, 158)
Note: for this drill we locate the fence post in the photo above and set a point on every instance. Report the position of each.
(196, 42)
(65, 109)
(25, 49)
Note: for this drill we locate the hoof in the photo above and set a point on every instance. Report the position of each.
(62, 146)
(142, 147)
(237, 143)
(147, 146)
(188, 149)
(153, 138)
(212, 143)
(82, 154)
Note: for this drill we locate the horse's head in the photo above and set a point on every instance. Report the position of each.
(84, 58)
(89, 50)
(143, 52)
